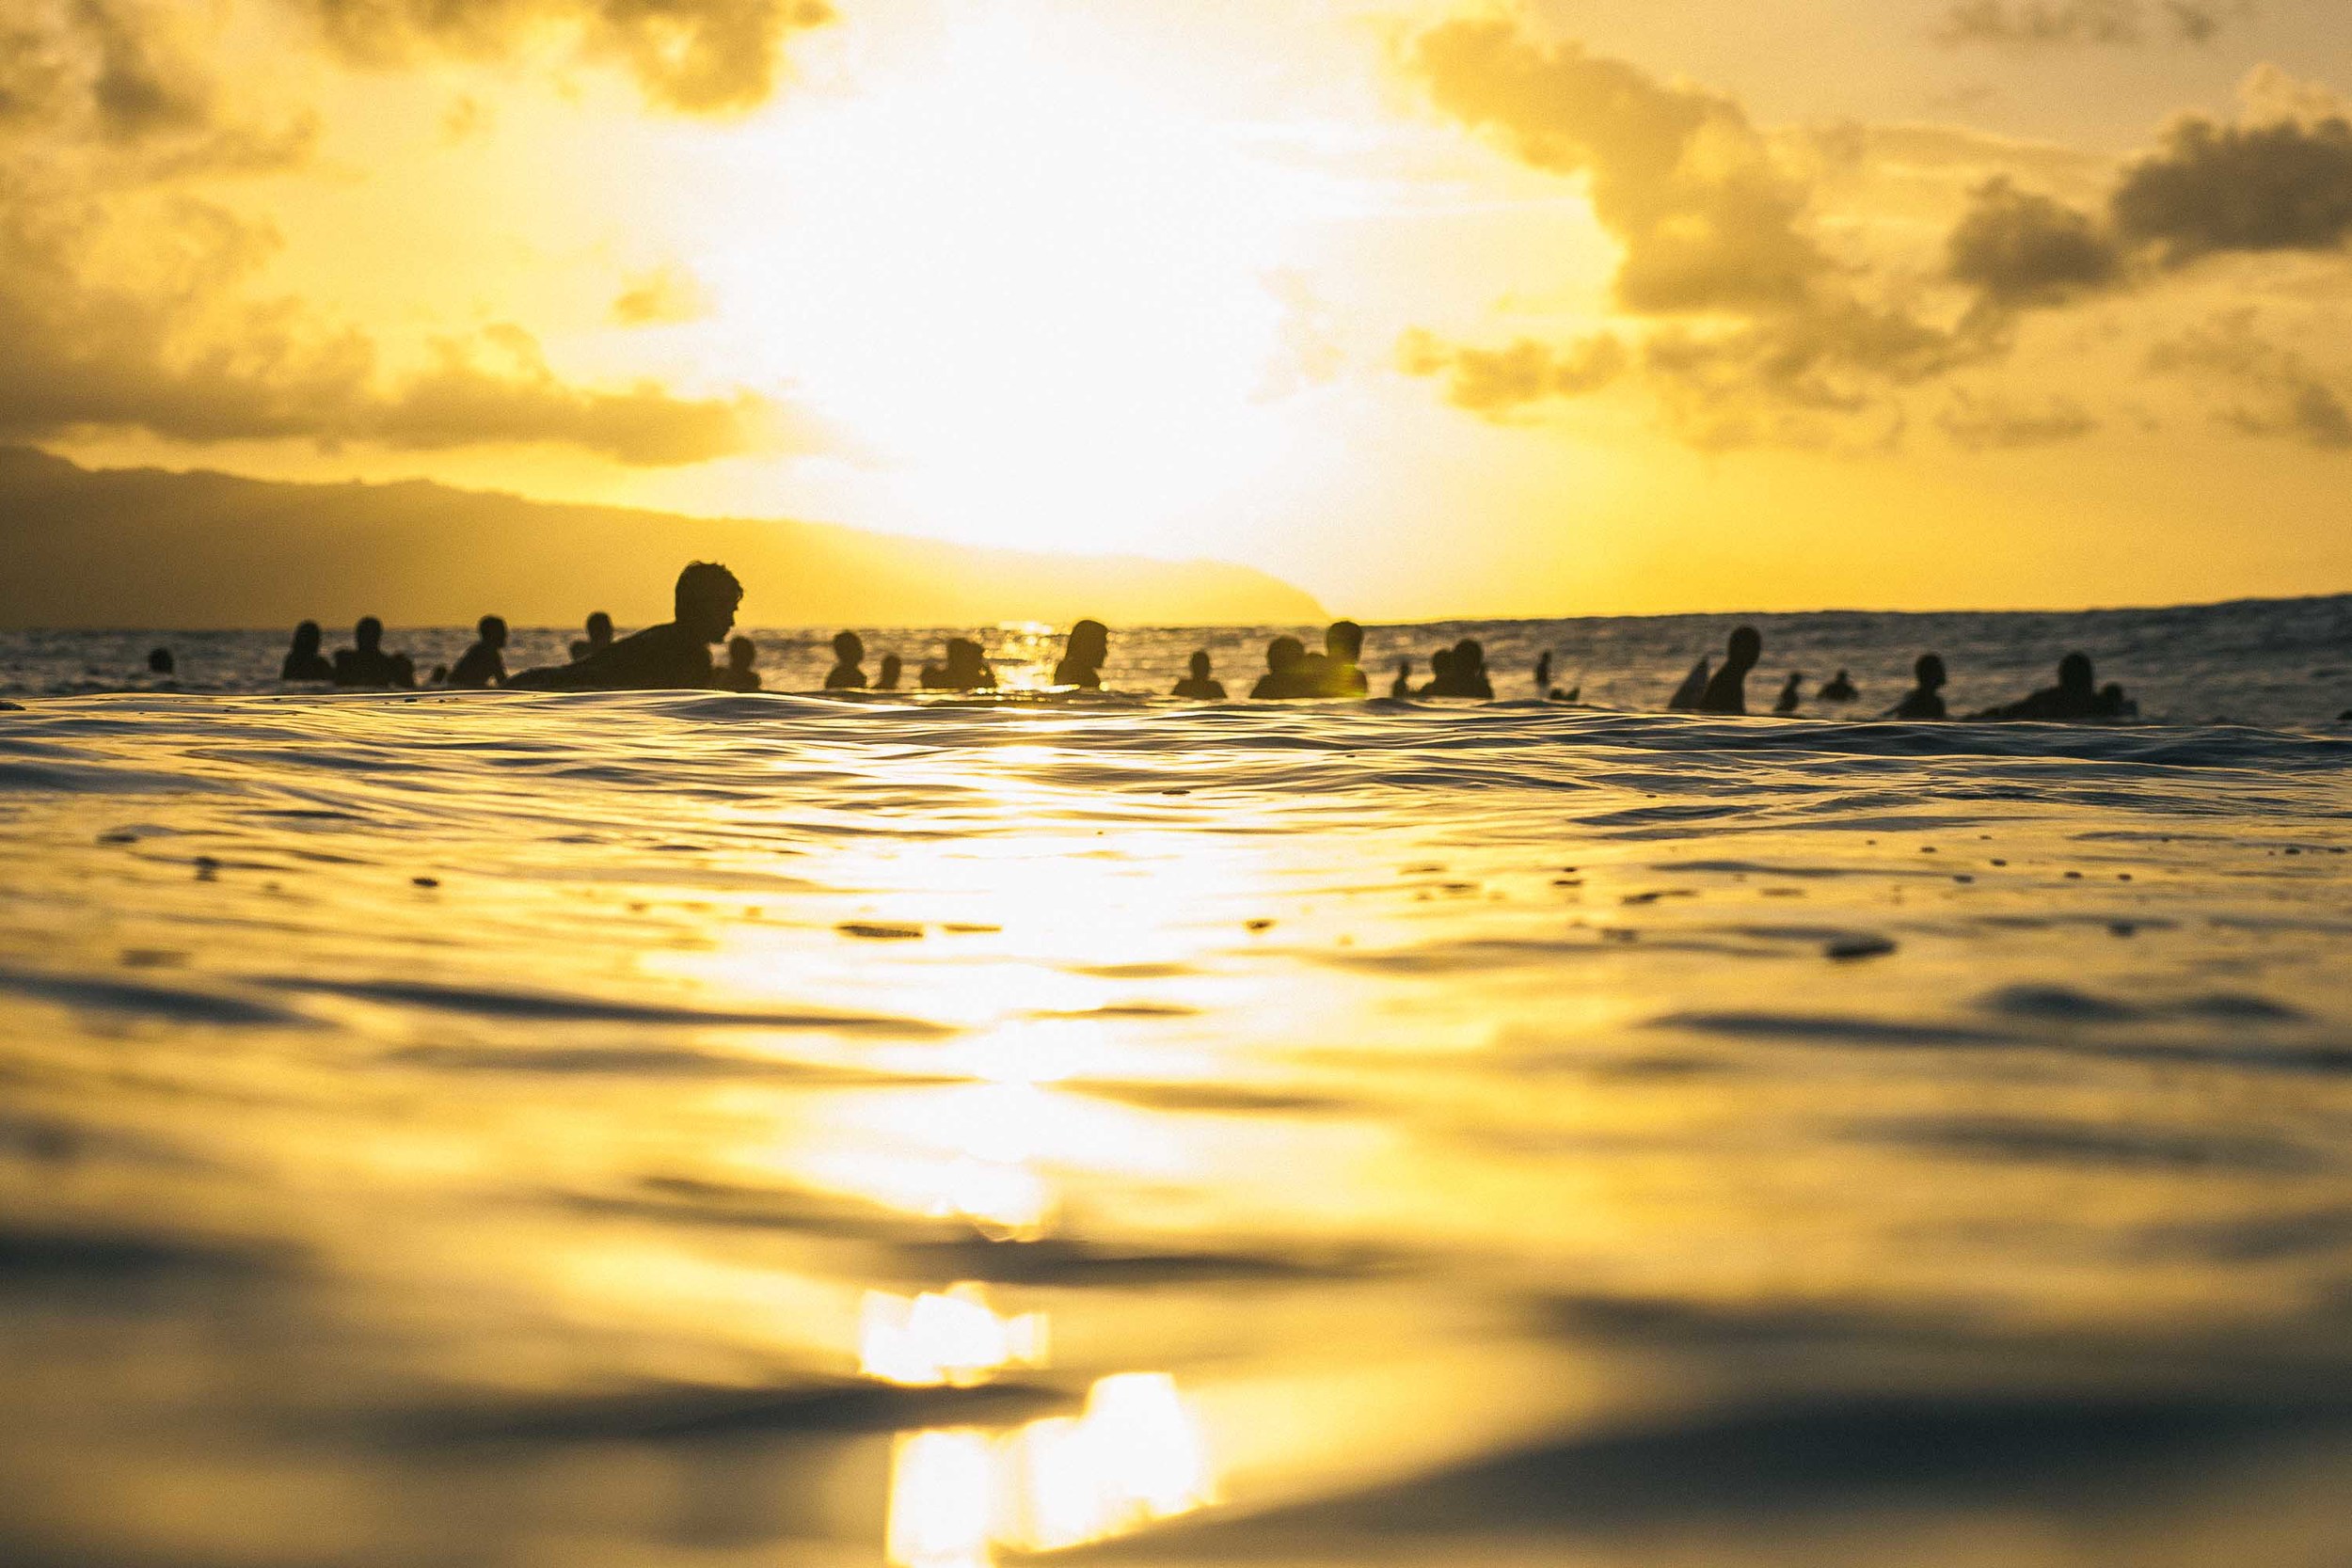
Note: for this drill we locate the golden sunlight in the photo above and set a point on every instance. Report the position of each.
(1042, 293)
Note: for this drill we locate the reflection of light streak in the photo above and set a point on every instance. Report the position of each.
(942, 1500)
(1133, 1457)
(953, 1338)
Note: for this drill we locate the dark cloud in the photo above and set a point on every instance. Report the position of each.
(2270, 389)
(1678, 175)
(1757, 333)
(1800, 377)
(2283, 186)
(2045, 23)
(127, 82)
(1982, 423)
(1499, 382)
(2019, 248)
(698, 57)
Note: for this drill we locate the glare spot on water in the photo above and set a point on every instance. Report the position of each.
(1134, 1456)
(952, 1336)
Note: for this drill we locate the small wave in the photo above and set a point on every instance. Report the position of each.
(550, 1007)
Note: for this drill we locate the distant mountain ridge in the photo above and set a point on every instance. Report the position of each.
(83, 547)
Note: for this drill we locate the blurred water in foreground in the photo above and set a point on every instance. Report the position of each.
(695, 1130)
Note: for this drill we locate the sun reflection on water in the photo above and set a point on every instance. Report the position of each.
(1134, 1456)
(952, 1336)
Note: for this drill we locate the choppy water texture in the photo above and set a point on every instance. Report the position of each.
(698, 1130)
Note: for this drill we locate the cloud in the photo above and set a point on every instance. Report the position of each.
(176, 347)
(132, 87)
(1751, 332)
(1677, 176)
(2019, 248)
(2282, 186)
(696, 56)
(2273, 390)
(1499, 382)
(1983, 422)
(133, 298)
(663, 296)
(2046, 23)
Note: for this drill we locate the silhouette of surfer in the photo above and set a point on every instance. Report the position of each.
(484, 664)
(366, 663)
(1342, 676)
(1543, 673)
(891, 668)
(965, 669)
(1791, 695)
(1728, 692)
(599, 639)
(742, 668)
(674, 656)
(1285, 675)
(2075, 699)
(1839, 689)
(160, 662)
(848, 663)
(1082, 658)
(1465, 673)
(1403, 685)
(1692, 691)
(304, 661)
(1200, 686)
(1925, 700)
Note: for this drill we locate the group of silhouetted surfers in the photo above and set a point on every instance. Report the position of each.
(2077, 699)
(676, 655)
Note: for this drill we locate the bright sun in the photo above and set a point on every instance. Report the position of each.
(1038, 293)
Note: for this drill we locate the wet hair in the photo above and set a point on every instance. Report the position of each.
(706, 583)
(2074, 673)
(848, 646)
(1344, 642)
(1199, 665)
(1930, 670)
(308, 637)
(492, 627)
(1745, 648)
(1284, 653)
(1089, 643)
(369, 632)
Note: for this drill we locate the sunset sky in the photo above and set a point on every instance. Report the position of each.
(1433, 309)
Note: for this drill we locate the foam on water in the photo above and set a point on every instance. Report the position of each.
(694, 1129)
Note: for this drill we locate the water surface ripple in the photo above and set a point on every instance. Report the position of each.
(709, 1130)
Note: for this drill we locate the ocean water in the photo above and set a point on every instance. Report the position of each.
(2277, 663)
(701, 1130)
